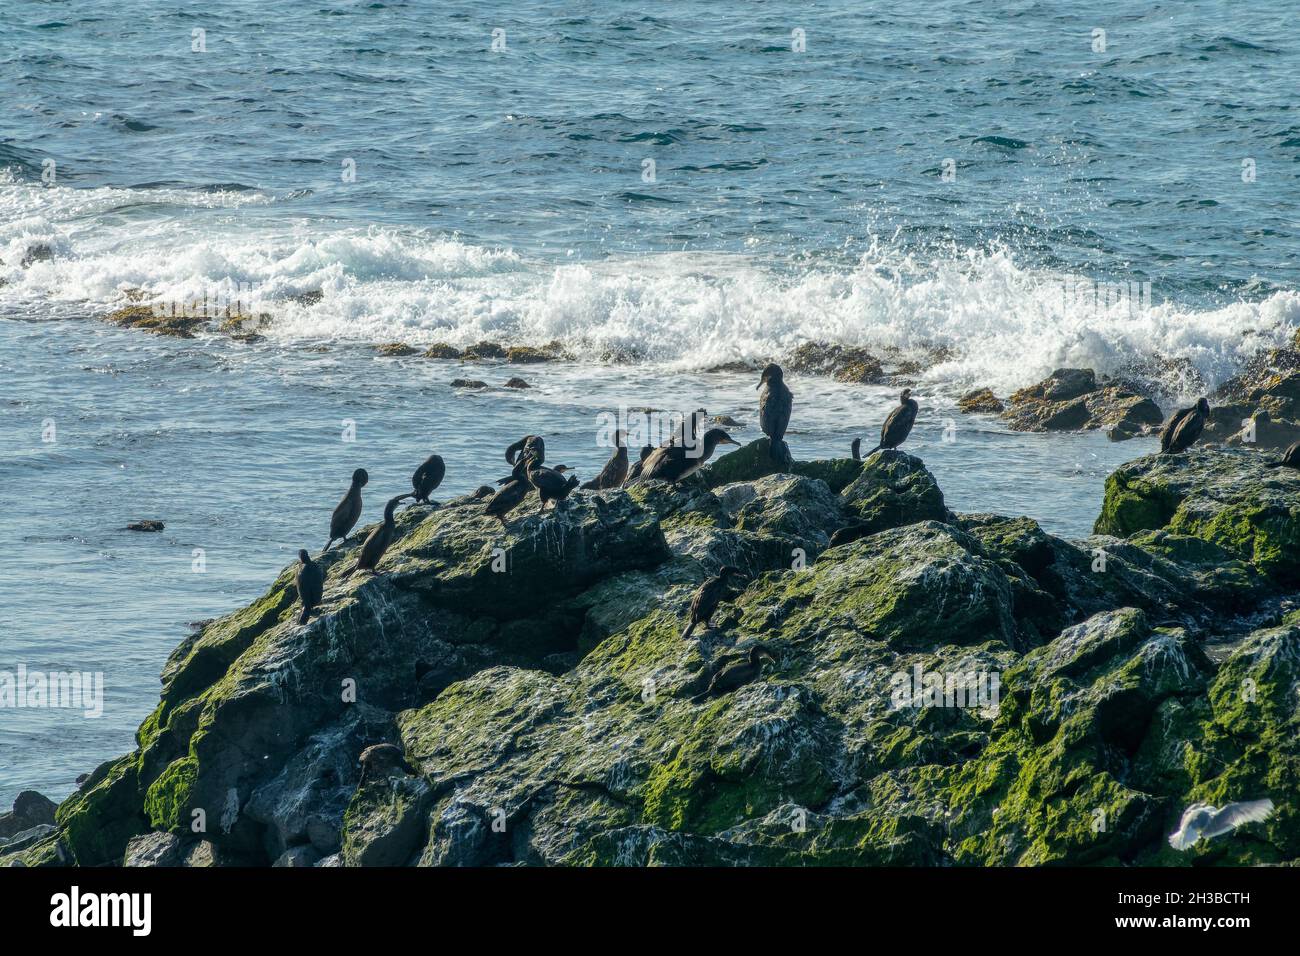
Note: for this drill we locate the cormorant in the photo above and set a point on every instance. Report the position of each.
(739, 673)
(615, 470)
(512, 492)
(673, 463)
(383, 759)
(635, 471)
(1203, 822)
(899, 423)
(1184, 428)
(774, 405)
(1290, 458)
(348, 511)
(857, 449)
(377, 542)
(551, 484)
(530, 448)
(427, 478)
(311, 584)
(531, 445)
(710, 594)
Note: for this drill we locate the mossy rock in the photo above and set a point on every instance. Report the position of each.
(1228, 499)
(484, 350)
(441, 350)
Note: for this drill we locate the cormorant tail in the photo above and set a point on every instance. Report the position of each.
(690, 628)
(1275, 464)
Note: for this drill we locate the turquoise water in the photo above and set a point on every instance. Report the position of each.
(796, 195)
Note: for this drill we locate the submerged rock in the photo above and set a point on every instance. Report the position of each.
(942, 689)
(36, 252)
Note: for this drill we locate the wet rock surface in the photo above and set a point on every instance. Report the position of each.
(535, 678)
(1072, 399)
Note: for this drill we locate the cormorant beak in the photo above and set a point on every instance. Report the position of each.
(730, 441)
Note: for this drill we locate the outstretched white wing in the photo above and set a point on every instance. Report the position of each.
(1235, 814)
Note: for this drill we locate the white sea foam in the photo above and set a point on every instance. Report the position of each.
(1005, 324)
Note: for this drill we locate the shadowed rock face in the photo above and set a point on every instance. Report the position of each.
(1085, 693)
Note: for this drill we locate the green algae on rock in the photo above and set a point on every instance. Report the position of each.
(535, 677)
(1228, 499)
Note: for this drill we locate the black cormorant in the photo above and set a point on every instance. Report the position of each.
(739, 673)
(513, 490)
(427, 478)
(1184, 428)
(615, 471)
(635, 471)
(348, 511)
(531, 445)
(311, 585)
(673, 463)
(377, 542)
(551, 484)
(899, 423)
(707, 598)
(774, 405)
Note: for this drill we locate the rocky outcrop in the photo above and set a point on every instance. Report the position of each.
(1229, 501)
(1072, 399)
(30, 821)
(943, 689)
(980, 400)
(843, 363)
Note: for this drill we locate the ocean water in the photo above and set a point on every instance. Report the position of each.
(704, 184)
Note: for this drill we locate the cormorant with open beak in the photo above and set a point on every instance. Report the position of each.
(674, 463)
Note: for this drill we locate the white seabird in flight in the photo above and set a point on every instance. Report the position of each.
(1203, 822)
